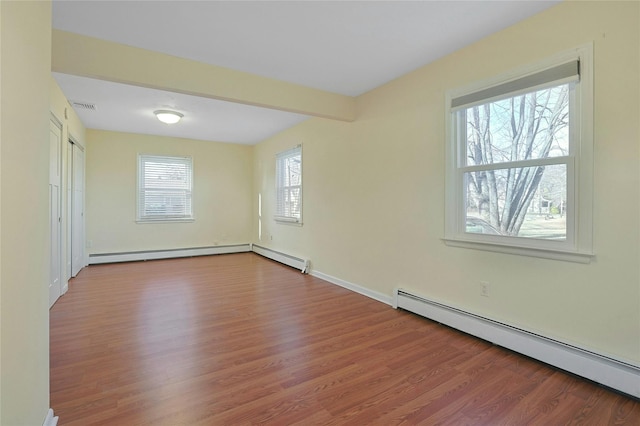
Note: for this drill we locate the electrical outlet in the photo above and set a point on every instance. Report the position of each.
(484, 288)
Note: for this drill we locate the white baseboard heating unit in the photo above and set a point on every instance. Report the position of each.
(620, 375)
(166, 254)
(294, 262)
(50, 420)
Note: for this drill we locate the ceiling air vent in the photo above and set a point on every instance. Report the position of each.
(84, 105)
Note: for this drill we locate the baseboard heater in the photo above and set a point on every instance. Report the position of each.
(294, 262)
(166, 254)
(619, 375)
(50, 419)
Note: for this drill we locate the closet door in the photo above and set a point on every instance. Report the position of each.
(55, 218)
(77, 211)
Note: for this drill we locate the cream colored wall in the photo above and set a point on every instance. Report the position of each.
(63, 111)
(25, 46)
(374, 189)
(221, 194)
(89, 57)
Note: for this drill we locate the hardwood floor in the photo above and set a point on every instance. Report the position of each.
(239, 339)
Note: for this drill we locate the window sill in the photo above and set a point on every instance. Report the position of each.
(544, 253)
(288, 220)
(145, 221)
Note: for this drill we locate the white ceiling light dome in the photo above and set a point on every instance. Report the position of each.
(167, 116)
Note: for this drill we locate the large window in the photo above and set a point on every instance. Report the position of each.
(289, 186)
(164, 188)
(519, 161)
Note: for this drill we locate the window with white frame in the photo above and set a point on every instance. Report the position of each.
(165, 187)
(289, 185)
(519, 161)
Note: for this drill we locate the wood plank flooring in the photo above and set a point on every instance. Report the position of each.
(238, 339)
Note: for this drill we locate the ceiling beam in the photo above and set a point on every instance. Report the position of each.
(91, 57)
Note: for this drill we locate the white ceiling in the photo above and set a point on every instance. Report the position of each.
(346, 47)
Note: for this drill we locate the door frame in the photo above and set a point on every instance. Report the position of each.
(71, 204)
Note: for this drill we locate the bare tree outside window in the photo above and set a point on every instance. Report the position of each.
(513, 182)
(519, 160)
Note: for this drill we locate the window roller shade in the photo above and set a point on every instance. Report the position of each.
(560, 74)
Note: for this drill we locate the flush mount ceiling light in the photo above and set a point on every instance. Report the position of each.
(168, 117)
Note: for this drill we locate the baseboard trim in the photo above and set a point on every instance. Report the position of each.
(50, 420)
(284, 258)
(613, 373)
(353, 287)
(166, 254)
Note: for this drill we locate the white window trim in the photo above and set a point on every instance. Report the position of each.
(290, 220)
(579, 245)
(167, 218)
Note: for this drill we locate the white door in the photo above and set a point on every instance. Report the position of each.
(55, 228)
(77, 211)
(68, 216)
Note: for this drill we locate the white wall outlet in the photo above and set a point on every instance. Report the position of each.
(484, 288)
